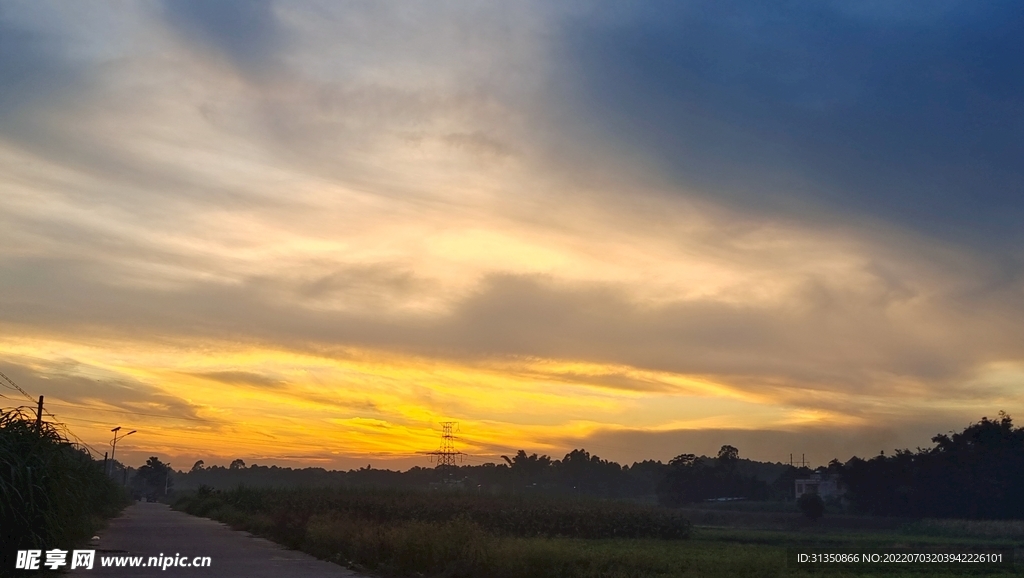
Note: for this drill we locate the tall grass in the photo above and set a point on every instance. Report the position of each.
(52, 494)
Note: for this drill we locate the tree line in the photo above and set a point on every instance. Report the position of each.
(977, 473)
(685, 479)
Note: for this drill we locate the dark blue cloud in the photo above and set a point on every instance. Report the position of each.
(914, 114)
(33, 71)
(246, 31)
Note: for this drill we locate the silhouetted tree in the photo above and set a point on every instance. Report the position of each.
(578, 473)
(978, 473)
(643, 477)
(153, 478)
(811, 505)
(728, 456)
(526, 469)
(691, 479)
(589, 474)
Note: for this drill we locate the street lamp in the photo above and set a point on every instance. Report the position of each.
(113, 444)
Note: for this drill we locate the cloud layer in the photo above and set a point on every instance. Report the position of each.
(633, 228)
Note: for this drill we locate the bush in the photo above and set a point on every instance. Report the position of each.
(811, 505)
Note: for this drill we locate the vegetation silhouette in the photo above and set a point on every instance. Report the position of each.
(578, 474)
(52, 493)
(811, 505)
(977, 473)
(153, 479)
(690, 479)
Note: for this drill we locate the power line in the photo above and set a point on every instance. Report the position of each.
(16, 387)
(212, 436)
(68, 431)
(133, 412)
(40, 409)
(91, 449)
(88, 420)
(186, 435)
(182, 439)
(446, 454)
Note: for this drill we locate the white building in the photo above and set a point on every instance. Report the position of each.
(825, 485)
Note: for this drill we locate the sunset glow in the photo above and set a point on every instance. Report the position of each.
(312, 243)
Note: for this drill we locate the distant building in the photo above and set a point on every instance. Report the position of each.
(825, 485)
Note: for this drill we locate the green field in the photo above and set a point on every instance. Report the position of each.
(422, 534)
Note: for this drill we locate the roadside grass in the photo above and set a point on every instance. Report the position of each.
(459, 547)
(52, 494)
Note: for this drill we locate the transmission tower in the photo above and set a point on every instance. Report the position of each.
(447, 454)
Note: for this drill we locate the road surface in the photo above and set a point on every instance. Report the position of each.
(150, 529)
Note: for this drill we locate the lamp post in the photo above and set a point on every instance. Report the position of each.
(113, 444)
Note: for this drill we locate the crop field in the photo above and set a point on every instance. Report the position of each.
(502, 516)
(451, 535)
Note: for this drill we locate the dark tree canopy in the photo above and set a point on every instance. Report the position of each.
(811, 505)
(153, 478)
(691, 479)
(977, 473)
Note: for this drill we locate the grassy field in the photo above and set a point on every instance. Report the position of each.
(394, 535)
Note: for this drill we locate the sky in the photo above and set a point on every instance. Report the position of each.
(308, 233)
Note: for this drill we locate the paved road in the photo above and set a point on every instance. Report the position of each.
(149, 529)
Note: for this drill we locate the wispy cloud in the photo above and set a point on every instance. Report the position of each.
(568, 222)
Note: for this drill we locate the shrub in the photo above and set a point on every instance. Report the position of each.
(811, 505)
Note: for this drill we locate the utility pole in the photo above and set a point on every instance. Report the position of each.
(105, 470)
(39, 416)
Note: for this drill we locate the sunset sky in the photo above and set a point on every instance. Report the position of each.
(307, 233)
